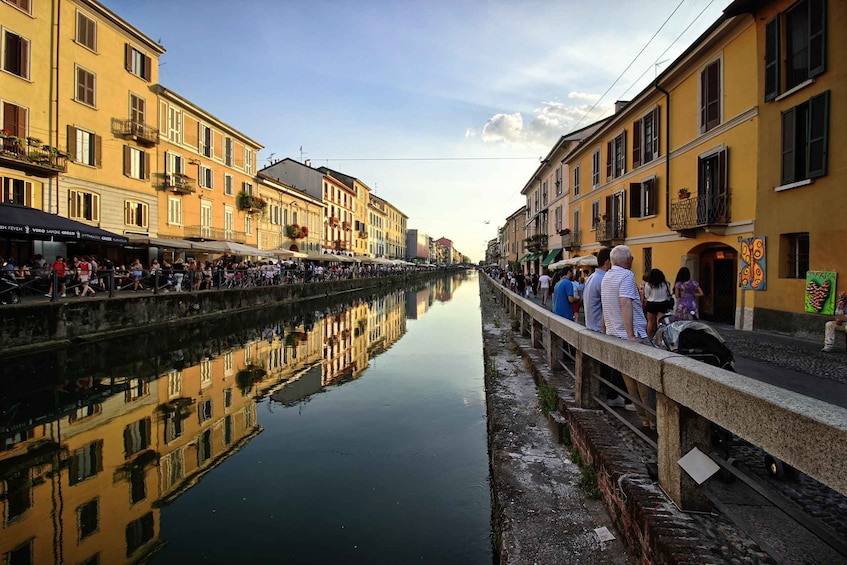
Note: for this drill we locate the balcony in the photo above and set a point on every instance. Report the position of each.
(346, 226)
(703, 211)
(363, 234)
(214, 234)
(611, 232)
(572, 241)
(340, 244)
(31, 156)
(141, 133)
(179, 183)
(333, 221)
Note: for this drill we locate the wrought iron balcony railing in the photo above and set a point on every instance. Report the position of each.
(700, 211)
(572, 240)
(611, 232)
(142, 133)
(40, 160)
(178, 182)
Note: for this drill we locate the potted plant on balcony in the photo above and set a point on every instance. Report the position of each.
(248, 203)
(684, 193)
(565, 231)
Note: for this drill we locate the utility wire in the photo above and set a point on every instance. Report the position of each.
(620, 76)
(430, 159)
(678, 37)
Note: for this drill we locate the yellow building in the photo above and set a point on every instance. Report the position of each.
(658, 177)
(511, 239)
(338, 227)
(78, 79)
(377, 218)
(361, 196)
(288, 212)
(204, 175)
(395, 232)
(802, 179)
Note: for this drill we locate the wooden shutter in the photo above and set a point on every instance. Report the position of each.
(704, 97)
(635, 200)
(789, 119)
(610, 156)
(128, 57)
(636, 143)
(146, 72)
(24, 57)
(818, 135)
(127, 160)
(98, 151)
(655, 139)
(772, 59)
(817, 37)
(712, 108)
(72, 142)
(723, 171)
(145, 174)
(622, 140)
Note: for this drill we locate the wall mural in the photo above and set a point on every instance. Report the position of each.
(753, 272)
(820, 292)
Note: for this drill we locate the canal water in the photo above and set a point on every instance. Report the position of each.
(350, 431)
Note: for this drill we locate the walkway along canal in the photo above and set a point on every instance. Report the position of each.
(314, 433)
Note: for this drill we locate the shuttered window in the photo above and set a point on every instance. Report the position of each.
(805, 136)
(85, 147)
(642, 198)
(85, 87)
(15, 54)
(710, 96)
(645, 139)
(136, 163)
(795, 47)
(137, 62)
(135, 214)
(86, 31)
(15, 119)
(83, 205)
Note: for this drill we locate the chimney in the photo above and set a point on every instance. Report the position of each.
(620, 105)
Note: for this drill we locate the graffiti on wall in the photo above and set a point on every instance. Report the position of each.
(753, 272)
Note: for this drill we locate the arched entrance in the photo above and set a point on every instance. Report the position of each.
(718, 277)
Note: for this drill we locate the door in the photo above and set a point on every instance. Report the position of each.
(718, 275)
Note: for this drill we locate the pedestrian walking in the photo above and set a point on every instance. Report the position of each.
(686, 291)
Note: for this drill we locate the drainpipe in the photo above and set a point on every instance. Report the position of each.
(667, 154)
(55, 43)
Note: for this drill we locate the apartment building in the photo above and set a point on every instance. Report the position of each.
(338, 227)
(292, 219)
(512, 235)
(204, 175)
(394, 229)
(361, 198)
(377, 220)
(657, 175)
(801, 67)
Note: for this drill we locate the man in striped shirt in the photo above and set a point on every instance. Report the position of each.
(624, 318)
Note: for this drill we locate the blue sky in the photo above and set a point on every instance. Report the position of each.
(373, 88)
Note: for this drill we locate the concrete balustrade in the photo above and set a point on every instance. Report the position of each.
(808, 434)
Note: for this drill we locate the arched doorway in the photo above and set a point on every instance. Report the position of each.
(718, 277)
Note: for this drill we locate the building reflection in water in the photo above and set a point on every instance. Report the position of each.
(93, 445)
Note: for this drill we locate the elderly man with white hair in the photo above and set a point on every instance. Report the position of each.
(624, 317)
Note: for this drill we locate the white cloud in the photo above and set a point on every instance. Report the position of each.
(545, 125)
(583, 96)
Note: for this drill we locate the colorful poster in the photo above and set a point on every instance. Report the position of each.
(820, 292)
(753, 274)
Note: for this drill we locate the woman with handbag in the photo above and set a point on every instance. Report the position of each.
(658, 299)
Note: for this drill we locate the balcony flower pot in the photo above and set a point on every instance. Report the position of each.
(684, 193)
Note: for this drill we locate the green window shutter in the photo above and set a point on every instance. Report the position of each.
(635, 200)
(818, 135)
(817, 37)
(789, 118)
(636, 144)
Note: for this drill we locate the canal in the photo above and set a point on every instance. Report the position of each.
(347, 431)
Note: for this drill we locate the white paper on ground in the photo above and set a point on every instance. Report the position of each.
(604, 534)
(698, 465)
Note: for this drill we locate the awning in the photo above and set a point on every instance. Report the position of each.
(231, 247)
(289, 254)
(29, 223)
(160, 242)
(552, 256)
(525, 258)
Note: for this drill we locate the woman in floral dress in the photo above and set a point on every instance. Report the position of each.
(686, 290)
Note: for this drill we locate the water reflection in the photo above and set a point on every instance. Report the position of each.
(97, 438)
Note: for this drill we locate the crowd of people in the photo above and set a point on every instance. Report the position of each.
(86, 275)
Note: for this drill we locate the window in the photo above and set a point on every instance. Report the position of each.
(88, 518)
(85, 87)
(248, 224)
(135, 214)
(642, 198)
(137, 109)
(204, 410)
(795, 250)
(805, 133)
(206, 220)
(647, 258)
(557, 218)
(16, 191)
(86, 31)
(228, 396)
(645, 139)
(206, 375)
(138, 533)
(229, 222)
(15, 54)
(803, 53)
(248, 161)
(710, 96)
(537, 200)
(15, 119)
(595, 215)
(204, 447)
(205, 141)
(136, 437)
(86, 462)
(83, 206)
(23, 5)
(543, 194)
(616, 156)
(228, 151)
(173, 163)
(136, 163)
(575, 227)
(595, 169)
(85, 147)
(175, 211)
(137, 62)
(576, 181)
(228, 182)
(247, 187)
(559, 187)
(137, 486)
(206, 177)
(174, 125)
